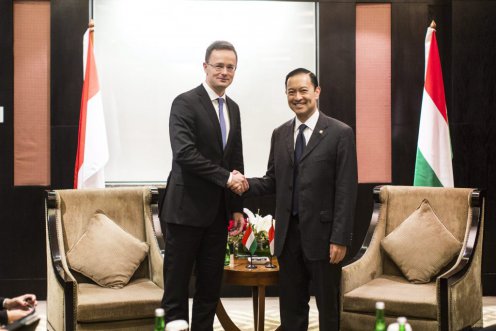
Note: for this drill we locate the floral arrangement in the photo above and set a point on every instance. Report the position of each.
(259, 224)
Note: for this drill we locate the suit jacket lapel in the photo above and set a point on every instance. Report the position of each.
(318, 133)
(232, 124)
(290, 139)
(210, 110)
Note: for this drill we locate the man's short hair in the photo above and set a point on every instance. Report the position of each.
(219, 45)
(298, 71)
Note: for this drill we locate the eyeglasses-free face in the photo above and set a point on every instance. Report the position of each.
(220, 70)
(302, 96)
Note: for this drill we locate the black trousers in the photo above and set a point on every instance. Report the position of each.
(204, 248)
(296, 272)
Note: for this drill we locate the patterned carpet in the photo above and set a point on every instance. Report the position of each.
(240, 311)
(244, 318)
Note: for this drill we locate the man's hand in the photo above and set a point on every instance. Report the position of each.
(238, 183)
(239, 224)
(15, 314)
(336, 253)
(24, 302)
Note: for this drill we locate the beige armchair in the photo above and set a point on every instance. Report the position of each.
(76, 302)
(452, 299)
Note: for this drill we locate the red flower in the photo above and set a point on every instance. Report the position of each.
(230, 226)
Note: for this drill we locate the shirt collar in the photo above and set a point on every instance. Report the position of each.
(310, 123)
(211, 94)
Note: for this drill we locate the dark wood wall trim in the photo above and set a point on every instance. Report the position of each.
(22, 266)
(337, 60)
(473, 115)
(6, 95)
(69, 22)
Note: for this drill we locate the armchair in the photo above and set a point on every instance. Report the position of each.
(452, 299)
(74, 301)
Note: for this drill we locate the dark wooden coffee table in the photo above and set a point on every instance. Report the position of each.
(258, 279)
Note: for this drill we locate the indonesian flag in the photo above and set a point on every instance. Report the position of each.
(92, 152)
(433, 165)
(249, 240)
(271, 239)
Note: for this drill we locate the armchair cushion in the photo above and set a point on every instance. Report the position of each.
(106, 253)
(136, 300)
(421, 245)
(401, 297)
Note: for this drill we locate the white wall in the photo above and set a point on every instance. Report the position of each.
(149, 51)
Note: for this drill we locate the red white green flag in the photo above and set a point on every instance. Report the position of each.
(433, 166)
(249, 240)
(271, 239)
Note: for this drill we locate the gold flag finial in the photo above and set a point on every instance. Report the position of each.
(433, 25)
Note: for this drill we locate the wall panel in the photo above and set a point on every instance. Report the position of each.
(373, 92)
(31, 93)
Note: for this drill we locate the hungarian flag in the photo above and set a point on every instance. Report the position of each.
(433, 166)
(92, 152)
(271, 239)
(249, 240)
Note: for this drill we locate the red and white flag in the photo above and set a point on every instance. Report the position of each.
(271, 238)
(433, 165)
(92, 152)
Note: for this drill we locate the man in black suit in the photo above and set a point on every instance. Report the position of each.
(205, 135)
(312, 169)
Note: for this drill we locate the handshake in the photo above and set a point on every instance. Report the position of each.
(238, 183)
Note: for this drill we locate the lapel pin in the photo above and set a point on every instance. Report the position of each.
(321, 131)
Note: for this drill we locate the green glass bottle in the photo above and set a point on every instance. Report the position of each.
(401, 323)
(159, 320)
(227, 257)
(380, 322)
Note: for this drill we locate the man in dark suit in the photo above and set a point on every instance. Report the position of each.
(312, 169)
(205, 135)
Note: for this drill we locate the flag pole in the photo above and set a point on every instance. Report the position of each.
(91, 6)
(91, 27)
(251, 265)
(269, 264)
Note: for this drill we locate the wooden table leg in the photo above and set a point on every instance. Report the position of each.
(254, 294)
(261, 308)
(224, 319)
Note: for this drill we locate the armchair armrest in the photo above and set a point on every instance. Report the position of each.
(65, 280)
(366, 264)
(156, 220)
(155, 239)
(467, 269)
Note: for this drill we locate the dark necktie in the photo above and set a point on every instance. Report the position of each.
(222, 122)
(298, 152)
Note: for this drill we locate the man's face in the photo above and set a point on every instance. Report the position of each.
(302, 96)
(220, 70)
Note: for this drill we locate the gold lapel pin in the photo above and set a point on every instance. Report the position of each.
(321, 131)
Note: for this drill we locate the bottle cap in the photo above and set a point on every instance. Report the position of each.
(401, 320)
(379, 305)
(159, 312)
(177, 325)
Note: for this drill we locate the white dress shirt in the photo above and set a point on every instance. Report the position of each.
(215, 102)
(311, 122)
